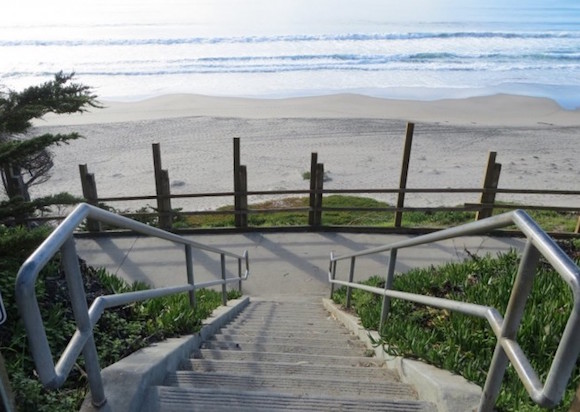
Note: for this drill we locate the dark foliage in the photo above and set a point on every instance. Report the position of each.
(25, 159)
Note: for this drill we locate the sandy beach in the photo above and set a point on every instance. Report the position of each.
(359, 139)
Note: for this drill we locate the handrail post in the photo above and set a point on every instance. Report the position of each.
(240, 275)
(350, 279)
(332, 270)
(386, 307)
(224, 288)
(78, 300)
(247, 259)
(513, 316)
(190, 278)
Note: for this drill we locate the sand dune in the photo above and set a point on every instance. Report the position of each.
(498, 110)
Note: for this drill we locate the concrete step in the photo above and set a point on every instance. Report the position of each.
(268, 304)
(288, 333)
(285, 330)
(288, 384)
(287, 323)
(274, 339)
(281, 348)
(314, 302)
(356, 361)
(283, 313)
(174, 399)
(285, 307)
(286, 327)
(289, 369)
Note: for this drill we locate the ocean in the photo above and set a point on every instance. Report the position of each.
(422, 49)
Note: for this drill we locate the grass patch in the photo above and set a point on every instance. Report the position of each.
(548, 220)
(119, 332)
(465, 344)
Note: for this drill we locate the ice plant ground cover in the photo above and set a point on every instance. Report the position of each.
(463, 344)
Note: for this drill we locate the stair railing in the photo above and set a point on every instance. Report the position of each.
(507, 348)
(61, 239)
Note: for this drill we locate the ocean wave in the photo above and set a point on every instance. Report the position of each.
(339, 62)
(291, 38)
(281, 68)
(360, 59)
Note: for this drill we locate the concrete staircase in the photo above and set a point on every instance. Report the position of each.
(283, 356)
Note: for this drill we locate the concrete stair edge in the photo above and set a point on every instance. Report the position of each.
(290, 368)
(289, 357)
(293, 384)
(312, 350)
(276, 340)
(280, 330)
(126, 382)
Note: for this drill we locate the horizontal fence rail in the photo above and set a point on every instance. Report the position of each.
(505, 329)
(466, 207)
(418, 190)
(316, 192)
(61, 240)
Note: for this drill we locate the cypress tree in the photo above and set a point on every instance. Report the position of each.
(25, 159)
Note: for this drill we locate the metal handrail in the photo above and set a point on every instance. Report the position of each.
(507, 349)
(61, 239)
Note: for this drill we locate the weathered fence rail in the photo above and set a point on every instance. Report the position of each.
(316, 192)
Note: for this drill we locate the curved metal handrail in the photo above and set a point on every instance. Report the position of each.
(61, 239)
(507, 349)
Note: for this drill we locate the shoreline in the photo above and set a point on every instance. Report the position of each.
(496, 110)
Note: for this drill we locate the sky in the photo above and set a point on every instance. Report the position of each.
(252, 12)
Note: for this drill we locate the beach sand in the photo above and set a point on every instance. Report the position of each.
(359, 139)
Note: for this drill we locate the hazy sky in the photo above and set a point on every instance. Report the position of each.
(261, 13)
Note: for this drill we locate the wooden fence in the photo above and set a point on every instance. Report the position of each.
(316, 192)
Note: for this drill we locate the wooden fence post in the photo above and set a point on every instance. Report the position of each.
(312, 202)
(89, 187)
(490, 183)
(577, 230)
(165, 213)
(319, 189)
(237, 198)
(404, 172)
(162, 190)
(243, 186)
